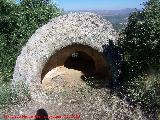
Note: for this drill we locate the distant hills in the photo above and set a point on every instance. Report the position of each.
(126, 11)
(118, 18)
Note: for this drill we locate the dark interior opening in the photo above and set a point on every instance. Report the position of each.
(83, 58)
(80, 61)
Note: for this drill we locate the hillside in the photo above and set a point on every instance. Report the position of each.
(118, 18)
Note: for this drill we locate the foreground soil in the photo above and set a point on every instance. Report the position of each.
(69, 94)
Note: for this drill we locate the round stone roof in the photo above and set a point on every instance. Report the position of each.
(73, 28)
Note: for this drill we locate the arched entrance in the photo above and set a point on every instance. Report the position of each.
(79, 57)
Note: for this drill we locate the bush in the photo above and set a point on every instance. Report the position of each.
(10, 95)
(144, 90)
(17, 23)
(140, 40)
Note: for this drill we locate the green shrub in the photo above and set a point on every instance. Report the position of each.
(140, 40)
(10, 95)
(17, 23)
(144, 90)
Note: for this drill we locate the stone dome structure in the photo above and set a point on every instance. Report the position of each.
(57, 55)
(57, 42)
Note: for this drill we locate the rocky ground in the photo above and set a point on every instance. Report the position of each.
(68, 94)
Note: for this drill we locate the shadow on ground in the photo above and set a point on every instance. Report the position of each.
(41, 115)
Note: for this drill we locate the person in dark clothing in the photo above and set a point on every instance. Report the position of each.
(113, 55)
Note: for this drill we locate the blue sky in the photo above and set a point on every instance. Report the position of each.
(99, 4)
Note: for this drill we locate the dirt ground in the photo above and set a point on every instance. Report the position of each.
(69, 94)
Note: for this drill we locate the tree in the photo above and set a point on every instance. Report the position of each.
(17, 23)
(140, 40)
(32, 14)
